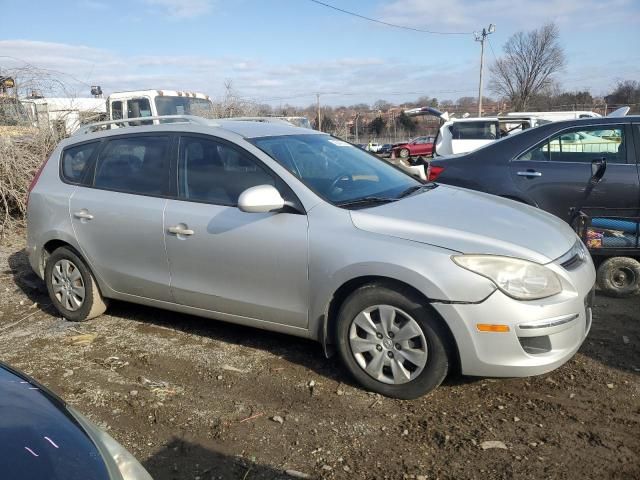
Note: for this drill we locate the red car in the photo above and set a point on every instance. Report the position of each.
(418, 147)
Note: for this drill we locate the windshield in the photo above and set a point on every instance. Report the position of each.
(298, 121)
(200, 107)
(336, 170)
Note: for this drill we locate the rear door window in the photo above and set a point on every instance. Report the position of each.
(137, 164)
(474, 131)
(75, 162)
(582, 146)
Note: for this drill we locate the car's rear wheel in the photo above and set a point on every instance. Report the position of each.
(404, 153)
(391, 341)
(619, 276)
(71, 286)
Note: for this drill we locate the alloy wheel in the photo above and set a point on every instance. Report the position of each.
(68, 285)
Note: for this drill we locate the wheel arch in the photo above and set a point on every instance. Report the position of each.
(350, 286)
(53, 244)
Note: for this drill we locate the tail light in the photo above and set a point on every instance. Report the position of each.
(433, 172)
(35, 180)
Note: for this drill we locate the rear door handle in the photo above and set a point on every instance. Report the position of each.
(180, 230)
(83, 215)
(530, 173)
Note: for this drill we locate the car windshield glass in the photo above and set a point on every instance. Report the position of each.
(200, 107)
(336, 170)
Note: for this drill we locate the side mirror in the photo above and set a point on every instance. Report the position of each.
(598, 167)
(260, 199)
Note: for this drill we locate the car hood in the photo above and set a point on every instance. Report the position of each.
(470, 222)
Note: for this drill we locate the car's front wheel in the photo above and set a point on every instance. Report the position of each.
(71, 286)
(391, 342)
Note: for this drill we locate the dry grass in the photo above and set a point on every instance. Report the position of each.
(20, 158)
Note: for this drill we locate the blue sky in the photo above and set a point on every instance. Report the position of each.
(283, 51)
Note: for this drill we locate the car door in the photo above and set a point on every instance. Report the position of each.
(555, 173)
(117, 217)
(252, 265)
(420, 147)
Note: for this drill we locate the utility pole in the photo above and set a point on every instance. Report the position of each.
(319, 119)
(481, 37)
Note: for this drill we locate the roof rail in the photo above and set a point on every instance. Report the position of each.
(93, 127)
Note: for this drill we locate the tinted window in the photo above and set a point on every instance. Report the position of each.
(137, 164)
(116, 110)
(335, 170)
(214, 172)
(582, 145)
(474, 131)
(75, 161)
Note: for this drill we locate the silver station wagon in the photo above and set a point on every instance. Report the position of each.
(292, 230)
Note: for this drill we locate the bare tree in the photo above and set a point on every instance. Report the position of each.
(529, 62)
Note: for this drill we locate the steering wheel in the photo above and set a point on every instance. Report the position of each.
(339, 178)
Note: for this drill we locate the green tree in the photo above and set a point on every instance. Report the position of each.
(406, 122)
(377, 125)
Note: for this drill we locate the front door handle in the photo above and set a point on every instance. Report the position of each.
(530, 173)
(83, 215)
(180, 230)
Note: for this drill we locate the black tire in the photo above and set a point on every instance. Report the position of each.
(619, 276)
(92, 305)
(404, 299)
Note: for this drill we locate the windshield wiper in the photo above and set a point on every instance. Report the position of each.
(364, 201)
(417, 188)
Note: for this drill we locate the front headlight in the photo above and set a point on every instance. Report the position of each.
(517, 278)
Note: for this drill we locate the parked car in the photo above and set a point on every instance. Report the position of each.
(385, 150)
(299, 232)
(590, 164)
(418, 147)
(373, 147)
(550, 166)
(43, 437)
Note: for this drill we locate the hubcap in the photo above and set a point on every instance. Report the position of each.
(388, 344)
(623, 277)
(67, 283)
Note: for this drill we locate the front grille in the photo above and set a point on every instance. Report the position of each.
(573, 262)
(575, 257)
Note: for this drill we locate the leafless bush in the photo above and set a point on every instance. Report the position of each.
(20, 157)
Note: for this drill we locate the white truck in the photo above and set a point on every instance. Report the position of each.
(64, 115)
(154, 103)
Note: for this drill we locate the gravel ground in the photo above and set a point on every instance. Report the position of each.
(197, 399)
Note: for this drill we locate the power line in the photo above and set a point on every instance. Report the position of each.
(404, 27)
(492, 52)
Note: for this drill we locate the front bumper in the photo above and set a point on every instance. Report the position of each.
(543, 334)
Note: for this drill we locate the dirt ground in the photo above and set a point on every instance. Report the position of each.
(196, 399)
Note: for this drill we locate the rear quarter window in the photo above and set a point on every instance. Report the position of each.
(75, 161)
